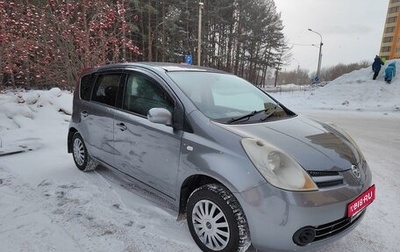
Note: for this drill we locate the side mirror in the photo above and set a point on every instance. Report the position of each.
(160, 115)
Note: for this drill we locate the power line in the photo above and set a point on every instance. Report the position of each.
(301, 44)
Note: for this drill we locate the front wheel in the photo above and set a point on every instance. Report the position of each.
(216, 220)
(81, 156)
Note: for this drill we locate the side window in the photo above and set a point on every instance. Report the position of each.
(106, 88)
(142, 94)
(86, 87)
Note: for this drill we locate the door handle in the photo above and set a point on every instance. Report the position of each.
(84, 113)
(122, 126)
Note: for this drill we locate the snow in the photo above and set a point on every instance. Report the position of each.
(355, 91)
(47, 204)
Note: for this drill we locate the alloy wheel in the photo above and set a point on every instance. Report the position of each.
(211, 225)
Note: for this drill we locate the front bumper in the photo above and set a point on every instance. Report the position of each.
(274, 216)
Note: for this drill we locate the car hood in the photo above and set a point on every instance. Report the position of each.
(314, 145)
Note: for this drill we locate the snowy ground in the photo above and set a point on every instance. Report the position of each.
(46, 204)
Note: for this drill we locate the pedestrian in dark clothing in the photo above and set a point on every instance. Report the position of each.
(376, 66)
(390, 72)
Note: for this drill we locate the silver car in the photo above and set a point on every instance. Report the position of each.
(240, 166)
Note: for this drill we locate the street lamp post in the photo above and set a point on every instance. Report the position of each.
(298, 65)
(199, 39)
(298, 70)
(319, 55)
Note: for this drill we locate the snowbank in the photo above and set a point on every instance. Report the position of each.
(353, 91)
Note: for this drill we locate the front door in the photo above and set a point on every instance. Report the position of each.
(147, 151)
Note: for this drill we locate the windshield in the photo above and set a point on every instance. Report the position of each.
(227, 98)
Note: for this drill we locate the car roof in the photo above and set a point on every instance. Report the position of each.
(155, 66)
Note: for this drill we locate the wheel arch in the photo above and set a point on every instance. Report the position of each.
(71, 133)
(189, 185)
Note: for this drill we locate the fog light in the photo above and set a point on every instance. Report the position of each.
(304, 236)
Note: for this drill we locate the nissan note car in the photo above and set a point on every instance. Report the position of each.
(242, 168)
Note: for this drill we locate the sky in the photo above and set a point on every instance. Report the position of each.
(47, 204)
(351, 30)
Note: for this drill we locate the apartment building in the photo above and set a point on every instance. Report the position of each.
(390, 46)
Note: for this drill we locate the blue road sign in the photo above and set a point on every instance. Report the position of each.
(188, 59)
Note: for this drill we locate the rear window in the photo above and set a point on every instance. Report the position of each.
(106, 88)
(86, 87)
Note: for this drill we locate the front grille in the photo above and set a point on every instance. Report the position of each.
(329, 183)
(323, 173)
(325, 179)
(335, 227)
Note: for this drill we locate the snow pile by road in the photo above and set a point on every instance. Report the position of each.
(24, 115)
(352, 91)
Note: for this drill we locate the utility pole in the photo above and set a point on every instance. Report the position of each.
(199, 36)
(319, 55)
(298, 71)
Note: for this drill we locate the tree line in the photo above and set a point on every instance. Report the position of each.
(48, 43)
(303, 77)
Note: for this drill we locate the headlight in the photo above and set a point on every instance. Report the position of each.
(277, 167)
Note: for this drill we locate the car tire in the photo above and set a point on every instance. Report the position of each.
(216, 220)
(80, 154)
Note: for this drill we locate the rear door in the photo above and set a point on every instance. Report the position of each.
(147, 151)
(98, 117)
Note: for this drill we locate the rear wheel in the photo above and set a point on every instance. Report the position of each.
(81, 156)
(216, 220)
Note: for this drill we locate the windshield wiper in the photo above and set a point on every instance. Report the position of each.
(247, 116)
(271, 111)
